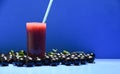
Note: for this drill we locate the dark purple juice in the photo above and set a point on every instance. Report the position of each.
(36, 39)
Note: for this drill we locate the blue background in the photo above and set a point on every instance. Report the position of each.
(88, 25)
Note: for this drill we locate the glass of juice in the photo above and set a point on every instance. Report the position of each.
(36, 39)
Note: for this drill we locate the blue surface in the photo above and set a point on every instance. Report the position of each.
(102, 66)
(89, 25)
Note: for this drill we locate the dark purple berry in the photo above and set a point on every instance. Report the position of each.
(29, 62)
(46, 60)
(76, 61)
(37, 61)
(53, 62)
(4, 60)
(68, 61)
(83, 59)
(20, 61)
(90, 59)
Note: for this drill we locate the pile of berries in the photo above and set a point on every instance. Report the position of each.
(53, 58)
